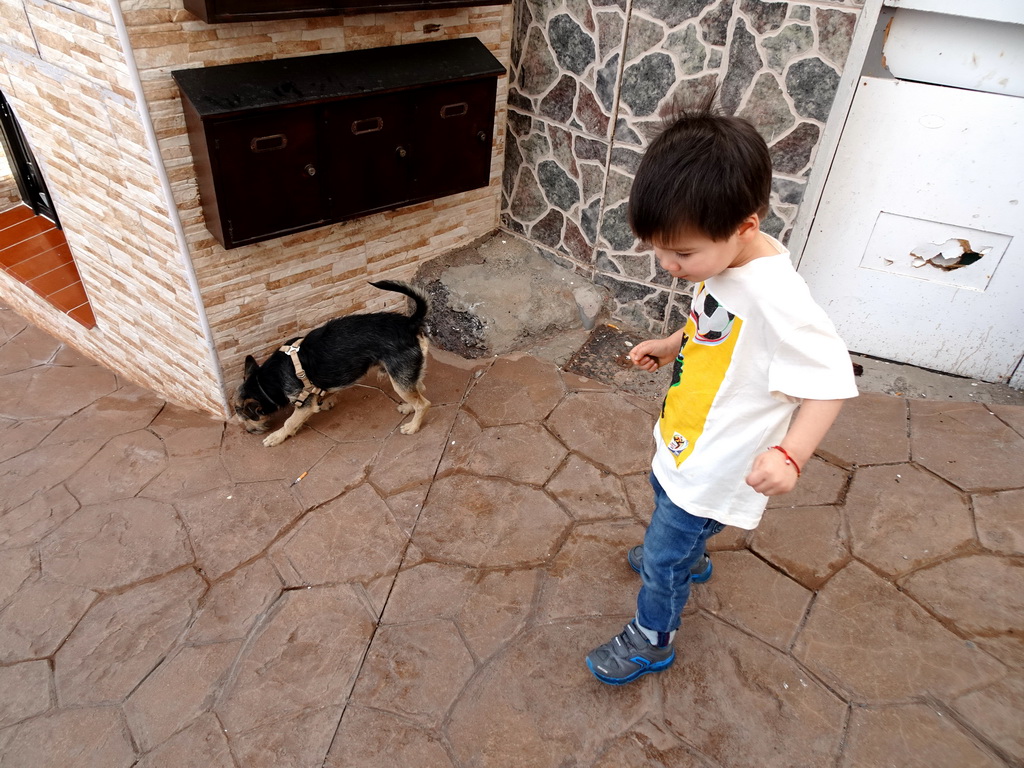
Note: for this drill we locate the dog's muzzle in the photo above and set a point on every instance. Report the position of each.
(252, 417)
(255, 428)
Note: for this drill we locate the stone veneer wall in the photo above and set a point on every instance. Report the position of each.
(590, 81)
(66, 76)
(68, 79)
(259, 295)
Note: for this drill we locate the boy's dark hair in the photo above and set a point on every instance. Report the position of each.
(705, 171)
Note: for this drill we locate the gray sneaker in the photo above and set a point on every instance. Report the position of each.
(699, 573)
(627, 656)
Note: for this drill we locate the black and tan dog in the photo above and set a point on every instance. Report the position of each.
(306, 371)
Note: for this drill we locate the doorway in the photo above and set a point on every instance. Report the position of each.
(22, 165)
(10, 195)
(33, 249)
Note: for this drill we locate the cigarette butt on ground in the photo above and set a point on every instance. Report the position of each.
(299, 477)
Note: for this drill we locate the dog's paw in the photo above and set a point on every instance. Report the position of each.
(405, 408)
(410, 429)
(274, 438)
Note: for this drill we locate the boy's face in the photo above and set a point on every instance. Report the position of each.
(694, 256)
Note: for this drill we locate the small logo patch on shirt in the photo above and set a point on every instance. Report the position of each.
(678, 444)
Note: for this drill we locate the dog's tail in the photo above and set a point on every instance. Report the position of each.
(414, 293)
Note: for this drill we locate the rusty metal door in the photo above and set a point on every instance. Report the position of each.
(917, 247)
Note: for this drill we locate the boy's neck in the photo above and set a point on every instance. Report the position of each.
(759, 246)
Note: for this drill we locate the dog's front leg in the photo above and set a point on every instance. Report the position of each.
(289, 428)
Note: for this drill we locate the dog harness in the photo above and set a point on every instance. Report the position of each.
(308, 388)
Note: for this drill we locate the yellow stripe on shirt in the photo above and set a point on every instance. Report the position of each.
(703, 365)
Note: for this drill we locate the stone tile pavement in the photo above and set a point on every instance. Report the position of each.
(170, 597)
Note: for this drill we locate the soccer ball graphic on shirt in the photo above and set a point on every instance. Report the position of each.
(714, 322)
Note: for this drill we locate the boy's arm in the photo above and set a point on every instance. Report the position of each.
(771, 475)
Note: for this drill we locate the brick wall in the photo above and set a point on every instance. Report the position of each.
(69, 82)
(66, 77)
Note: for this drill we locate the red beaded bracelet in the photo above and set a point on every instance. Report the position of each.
(789, 459)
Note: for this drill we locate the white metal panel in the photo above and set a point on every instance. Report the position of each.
(978, 54)
(994, 10)
(953, 160)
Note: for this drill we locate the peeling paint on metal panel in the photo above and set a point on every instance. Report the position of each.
(954, 253)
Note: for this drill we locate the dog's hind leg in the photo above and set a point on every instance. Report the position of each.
(290, 426)
(415, 403)
(406, 376)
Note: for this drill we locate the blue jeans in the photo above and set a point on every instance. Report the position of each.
(674, 542)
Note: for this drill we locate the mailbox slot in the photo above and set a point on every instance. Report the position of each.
(218, 11)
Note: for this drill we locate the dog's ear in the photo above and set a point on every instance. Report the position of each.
(250, 365)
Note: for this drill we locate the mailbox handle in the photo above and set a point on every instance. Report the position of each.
(268, 143)
(367, 125)
(454, 110)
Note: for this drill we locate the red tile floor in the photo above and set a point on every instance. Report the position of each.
(34, 250)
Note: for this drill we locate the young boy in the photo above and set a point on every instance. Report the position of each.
(754, 347)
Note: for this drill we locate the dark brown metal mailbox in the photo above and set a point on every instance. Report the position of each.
(286, 145)
(217, 11)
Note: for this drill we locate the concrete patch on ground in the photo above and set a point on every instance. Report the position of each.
(499, 295)
(605, 357)
(910, 381)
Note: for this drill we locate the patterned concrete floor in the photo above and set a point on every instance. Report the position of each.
(170, 597)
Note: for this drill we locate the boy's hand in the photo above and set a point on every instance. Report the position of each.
(771, 475)
(652, 354)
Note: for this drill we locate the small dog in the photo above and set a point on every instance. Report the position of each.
(335, 356)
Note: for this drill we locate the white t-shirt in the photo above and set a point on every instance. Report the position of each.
(756, 343)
